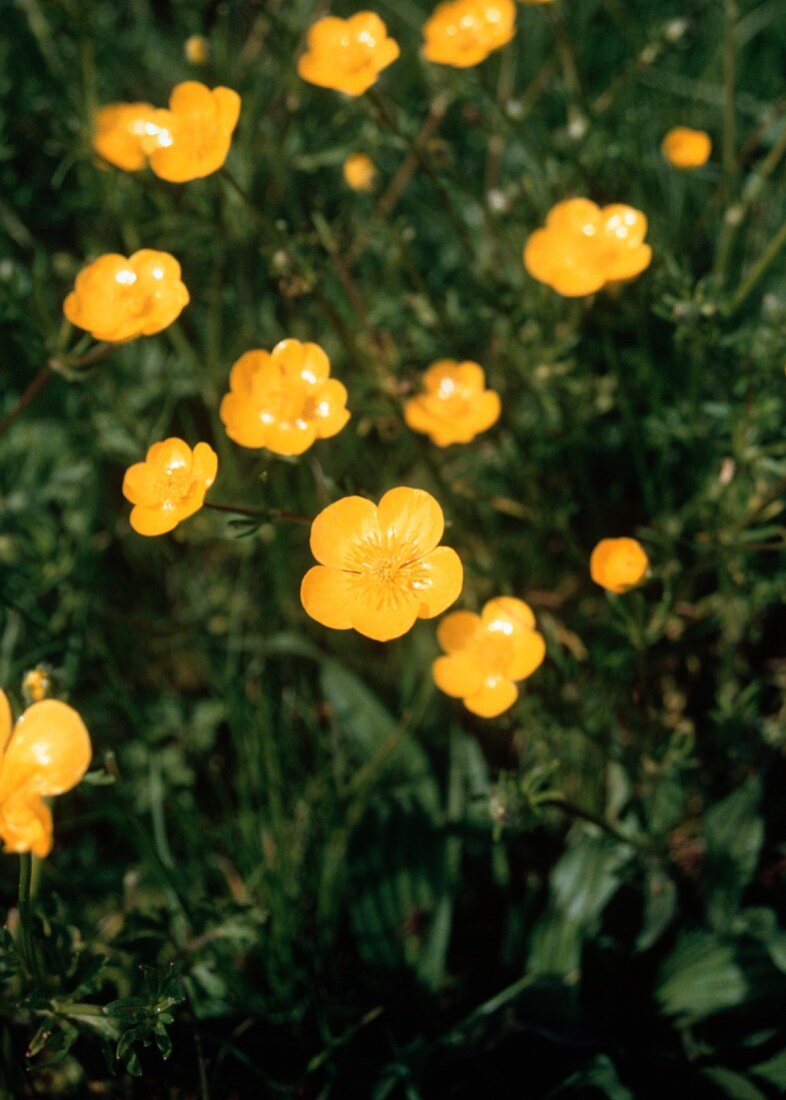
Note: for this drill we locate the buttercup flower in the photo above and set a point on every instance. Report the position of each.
(454, 405)
(618, 564)
(347, 54)
(36, 684)
(283, 399)
(583, 247)
(381, 566)
(359, 172)
(487, 654)
(169, 486)
(127, 133)
(46, 753)
(686, 148)
(198, 132)
(118, 299)
(463, 33)
(197, 49)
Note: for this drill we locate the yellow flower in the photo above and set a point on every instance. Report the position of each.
(46, 753)
(283, 400)
(36, 684)
(198, 132)
(463, 33)
(127, 133)
(118, 299)
(454, 405)
(583, 247)
(197, 49)
(347, 54)
(169, 486)
(618, 564)
(686, 148)
(487, 654)
(381, 566)
(359, 172)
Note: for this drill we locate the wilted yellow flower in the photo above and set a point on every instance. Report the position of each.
(454, 405)
(487, 654)
(359, 172)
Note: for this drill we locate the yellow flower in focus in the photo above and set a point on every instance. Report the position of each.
(583, 247)
(359, 172)
(46, 753)
(487, 654)
(118, 299)
(198, 132)
(618, 564)
(126, 134)
(381, 565)
(283, 399)
(463, 33)
(347, 54)
(454, 405)
(169, 486)
(37, 684)
(686, 148)
(197, 49)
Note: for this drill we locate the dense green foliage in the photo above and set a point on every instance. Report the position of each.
(297, 866)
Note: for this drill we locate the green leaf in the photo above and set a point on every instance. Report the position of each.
(700, 977)
(733, 1084)
(599, 1074)
(733, 834)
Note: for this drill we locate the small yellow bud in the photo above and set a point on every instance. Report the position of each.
(196, 49)
(359, 172)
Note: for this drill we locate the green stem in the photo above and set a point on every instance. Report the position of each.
(28, 396)
(568, 808)
(729, 80)
(271, 514)
(26, 941)
(757, 272)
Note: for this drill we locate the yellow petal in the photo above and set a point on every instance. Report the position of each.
(382, 614)
(458, 674)
(204, 465)
(26, 824)
(327, 596)
(154, 521)
(49, 751)
(289, 438)
(495, 696)
(458, 630)
(436, 581)
(6, 721)
(527, 655)
(412, 520)
(508, 615)
(339, 532)
(139, 484)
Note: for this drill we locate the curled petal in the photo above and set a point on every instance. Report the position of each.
(508, 616)
(156, 520)
(526, 656)
(330, 412)
(49, 751)
(26, 824)
(302, 361)
(139, 485)
(204, 465)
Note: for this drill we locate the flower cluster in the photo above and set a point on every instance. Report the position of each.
(454, 405)
(46, 753)
(462, 33)
(187, 141)
(583, 247)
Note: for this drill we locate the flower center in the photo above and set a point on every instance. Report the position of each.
(173, 483)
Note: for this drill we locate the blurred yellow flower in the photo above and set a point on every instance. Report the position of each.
(283, 400)
(169, 486)
(46, 753)
(583, 247)
(359, 172)
(347, 54)
(463, 33)
(618, 564)
(197, 132)
(36, 684)
(686, 148)
(454, 405)
(118, 299)
(197, 49)
(381, 566)
(126, 134)
(487, 654)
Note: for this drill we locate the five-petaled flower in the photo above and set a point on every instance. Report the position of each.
(198, 130)
(618, 564)
(381, 566)
(583, 247)
(169, 486)
(347, 54)
(118, 299)
(46, 753)
(686, 148)
(463, 33)
(487, 654)
(359, 172)
(125, 134)
(454, 405)
(283, 399)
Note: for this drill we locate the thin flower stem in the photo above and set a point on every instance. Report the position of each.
(757, 272)
(271, 514)
(28, 396)
(571, 810)
(729, 80)
(26, 941)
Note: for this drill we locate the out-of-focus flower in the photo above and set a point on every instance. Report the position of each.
(347, 54)
(618, 564)
(463, 33)
(197, 49)
(125, 134)
(283, 399)
(454, 405)
(169, 486)
(118, 299)
(686, 148)
(583, 247)
(359, 172)
(381, 566)
(37, 684)
(487, 654)
(46, 753)
(197, 133)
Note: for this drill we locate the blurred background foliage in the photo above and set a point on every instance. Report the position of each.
(298, 866)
